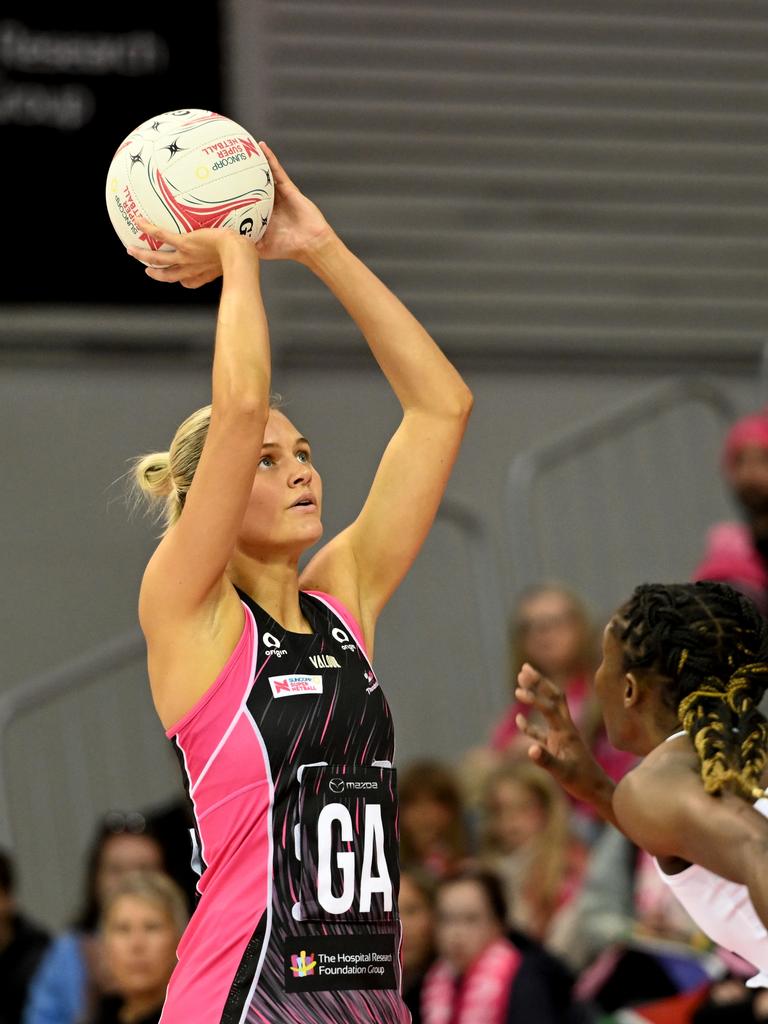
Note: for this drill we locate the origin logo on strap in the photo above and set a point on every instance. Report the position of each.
(295, 686)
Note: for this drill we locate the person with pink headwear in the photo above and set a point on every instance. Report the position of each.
(737, 553)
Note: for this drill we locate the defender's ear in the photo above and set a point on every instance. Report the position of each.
(631, 690)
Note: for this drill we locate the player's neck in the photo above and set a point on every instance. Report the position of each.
(273, 585)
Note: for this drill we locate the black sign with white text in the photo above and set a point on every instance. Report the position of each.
(74, 81)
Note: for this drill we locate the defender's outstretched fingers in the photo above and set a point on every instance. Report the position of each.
(542, 757)
(534, 731)
(536, 690)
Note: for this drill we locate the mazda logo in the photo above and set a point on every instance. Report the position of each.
(337, 785)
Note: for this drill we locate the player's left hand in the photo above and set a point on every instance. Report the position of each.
(196, 256)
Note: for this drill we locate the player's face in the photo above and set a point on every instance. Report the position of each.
(286, 497)
(140, 946)
(466, 925)
(610, 682)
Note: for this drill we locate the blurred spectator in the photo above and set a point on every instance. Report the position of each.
(22, 945)
(72, 975)
(737, 553)
(529, 844)
(629, 937)
(481, 976)
(417, 913)
(142, 922)
(433, 833)
(622, 896)
(552, 630)
(731, 1002)
(170, 824)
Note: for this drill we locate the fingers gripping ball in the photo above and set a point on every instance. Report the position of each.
(188, 169)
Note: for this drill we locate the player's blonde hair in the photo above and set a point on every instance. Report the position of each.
(165, 477)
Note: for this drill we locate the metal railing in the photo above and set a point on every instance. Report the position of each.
(526, 470)
(36, 692)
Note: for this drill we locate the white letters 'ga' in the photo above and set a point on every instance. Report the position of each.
(369, 883)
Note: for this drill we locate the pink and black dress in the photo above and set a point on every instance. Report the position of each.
(287, 760)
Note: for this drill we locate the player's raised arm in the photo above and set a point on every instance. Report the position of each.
(365, 563)
(187, 570)
(665, 810)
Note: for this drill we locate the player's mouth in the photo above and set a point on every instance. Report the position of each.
(306, 502)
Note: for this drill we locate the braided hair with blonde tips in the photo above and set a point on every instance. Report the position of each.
(709, 644)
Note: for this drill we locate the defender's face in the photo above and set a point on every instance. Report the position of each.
(610, 679)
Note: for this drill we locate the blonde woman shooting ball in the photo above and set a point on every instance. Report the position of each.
(260, 672)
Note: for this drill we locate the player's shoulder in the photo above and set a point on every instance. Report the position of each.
(653, 800)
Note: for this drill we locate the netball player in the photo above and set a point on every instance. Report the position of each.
(684, 668)
(261, 674)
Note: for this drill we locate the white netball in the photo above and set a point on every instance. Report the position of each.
(189, 169)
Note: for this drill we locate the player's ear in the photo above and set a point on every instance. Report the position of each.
(631, 689)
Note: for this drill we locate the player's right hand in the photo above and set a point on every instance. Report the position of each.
(297, 228)
(558, 745)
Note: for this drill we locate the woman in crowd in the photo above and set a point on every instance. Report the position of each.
(433, 835)
(529, 843)
(22, 946)
(481, 976)
(417, 913)
(142, 922)
(684, 669)
(72, 974)
(552, 630)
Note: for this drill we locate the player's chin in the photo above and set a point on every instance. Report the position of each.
(311, 531)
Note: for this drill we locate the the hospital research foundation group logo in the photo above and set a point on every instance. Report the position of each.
(303, 965)
(340, 962)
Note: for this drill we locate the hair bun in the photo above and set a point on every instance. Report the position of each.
(153, 474)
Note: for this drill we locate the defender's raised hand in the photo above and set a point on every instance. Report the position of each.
(558, 745)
